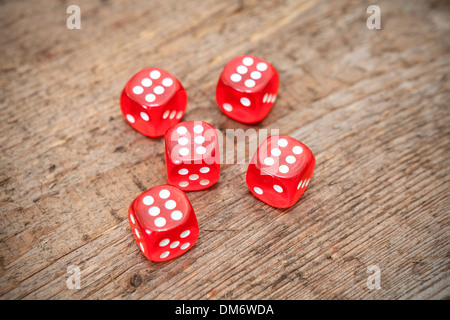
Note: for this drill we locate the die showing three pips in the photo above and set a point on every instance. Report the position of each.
(153, 102)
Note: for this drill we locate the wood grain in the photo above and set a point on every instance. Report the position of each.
(373, 106)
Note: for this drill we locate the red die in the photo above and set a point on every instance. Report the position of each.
(152, 101)
(192, 155)
(163, 223)
(280, 171)
(247, 89)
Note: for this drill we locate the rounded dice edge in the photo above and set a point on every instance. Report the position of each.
(255, 169)
(274, 201)
(133, 109)
(232, 108)
(189, 222)
(192, 239)
(239, 60)
(172, 166)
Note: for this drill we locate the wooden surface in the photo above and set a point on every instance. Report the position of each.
(373, 106)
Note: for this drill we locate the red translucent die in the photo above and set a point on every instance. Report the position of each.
(280, 171)
(163, 223)
(192, 155)
(152, 101)
(247, 89)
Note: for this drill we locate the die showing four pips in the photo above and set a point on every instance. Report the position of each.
(153, 102)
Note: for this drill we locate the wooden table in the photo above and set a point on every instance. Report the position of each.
(373, 106)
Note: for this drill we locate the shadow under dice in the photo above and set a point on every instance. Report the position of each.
(192, 155)
(163, 223)
(280, 171)
(247, 89)
(152, 101)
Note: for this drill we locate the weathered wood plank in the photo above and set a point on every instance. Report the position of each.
(371, 104)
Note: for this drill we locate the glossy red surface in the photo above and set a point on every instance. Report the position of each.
(247, 89)
(163, 223)
(192, 155)
(280, 171)
(152, 101)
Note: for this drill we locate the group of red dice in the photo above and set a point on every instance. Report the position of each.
(154, 101)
